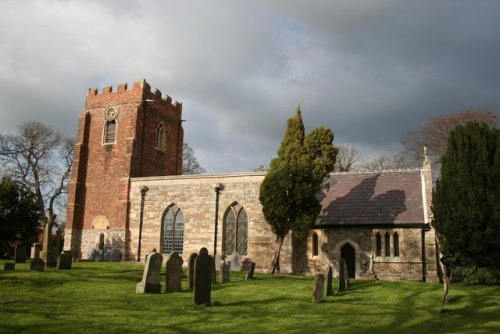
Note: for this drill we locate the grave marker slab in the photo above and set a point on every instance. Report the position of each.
(9, 266)
(191, 261)
(235, 261)
(35, 251)
(21, 254)
(202, 278)
(37, 264)
(224, 272)
(251, 271)
(116, 255)
(319, 281)
(174, 273)
(65, 260)
(151, 277)
(342, 274)
(213, 273)
(246, 264)
(329, 281)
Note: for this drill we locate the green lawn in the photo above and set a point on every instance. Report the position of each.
(100, 298)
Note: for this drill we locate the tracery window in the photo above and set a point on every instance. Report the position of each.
(235, 230)
(172, 239)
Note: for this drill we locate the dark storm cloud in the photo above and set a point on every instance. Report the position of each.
(370, 70)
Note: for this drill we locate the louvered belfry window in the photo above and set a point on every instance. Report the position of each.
(235, 230)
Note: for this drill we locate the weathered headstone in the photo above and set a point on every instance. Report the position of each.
(191, 261)
(329, 282)
(35, 251)
(347, 281)
(37, 264)
(342, 274)
(213, 274)
(235, 261)
(251, 271)
(21, 254)
(151, 277)
(65, 260)
(319, 281)
(224, 272)
(202, 278)
(174, 273)
(246, 264)
(218, 261)
(9, 266)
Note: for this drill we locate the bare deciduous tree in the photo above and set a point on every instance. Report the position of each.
(190, 164)
(347, 158)
(40, 159)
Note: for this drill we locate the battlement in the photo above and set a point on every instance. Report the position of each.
(141, 90)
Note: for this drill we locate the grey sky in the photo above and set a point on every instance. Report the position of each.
(369, 70)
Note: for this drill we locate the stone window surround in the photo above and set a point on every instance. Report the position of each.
(160, 140)
(382, 233)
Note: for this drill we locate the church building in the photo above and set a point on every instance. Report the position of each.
(127, 197)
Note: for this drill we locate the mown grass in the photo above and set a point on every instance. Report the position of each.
(100, 298)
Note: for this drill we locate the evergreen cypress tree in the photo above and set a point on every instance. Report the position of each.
(466, 200)
(288, 192)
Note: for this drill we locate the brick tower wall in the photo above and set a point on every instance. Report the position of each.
(98, 198)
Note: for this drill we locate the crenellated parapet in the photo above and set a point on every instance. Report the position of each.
(141, 92)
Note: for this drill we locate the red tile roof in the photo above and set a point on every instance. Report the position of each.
(382, 198)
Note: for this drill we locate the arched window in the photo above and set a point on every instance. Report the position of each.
(172, 239)
(235, 230)
(378, 245)
(387, 244)
(109, 132)
(395, 239)
(160, 137)
(315, 244)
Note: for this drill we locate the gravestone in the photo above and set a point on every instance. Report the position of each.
(116, 255)
(65, 260)
(250, 272)
(174, 273)
(347, 281)
(151, 277)
(246, 264)
(35, 251)
(342, 274)
(37, 264)
(21, 254)
(235, 261)
(191, 261)
(319, 281)
(224, 272)
(329, 282)
(202, 278)
(9, 266)
(218, 261)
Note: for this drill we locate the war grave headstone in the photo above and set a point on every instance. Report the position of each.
(21, 254)
(319, 281)
(202, 278)
(37, 264)
(235, 261)
(191, 261)
(9, 266)
(151, 277)
(35, 251)
(65, 260)
(174, 273)
(224, 272)
(329, 281)
(251, 271)
(342, 274)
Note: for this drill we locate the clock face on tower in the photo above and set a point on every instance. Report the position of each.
(111, 113)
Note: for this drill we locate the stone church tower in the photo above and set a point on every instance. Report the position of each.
(122, 134)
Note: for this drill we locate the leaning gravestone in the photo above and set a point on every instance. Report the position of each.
(251, 270)
(35, 251)
(65, 260)
(329, 282)
(319, 281)
(202, 278)
(151, 277)
(9, 266)
(224, 272)
(191, 261)
(342, 274)
(21, 254)
(37, 264)
(174, 273)
(235, 261)
(246, 264)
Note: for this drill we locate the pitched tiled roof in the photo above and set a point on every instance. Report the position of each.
(383, 198)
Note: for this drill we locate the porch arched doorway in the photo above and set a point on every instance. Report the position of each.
(348, 253)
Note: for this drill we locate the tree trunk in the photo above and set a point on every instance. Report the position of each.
(447, 274)
(276, 258)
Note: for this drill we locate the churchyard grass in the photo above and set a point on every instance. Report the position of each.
(100, 298)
